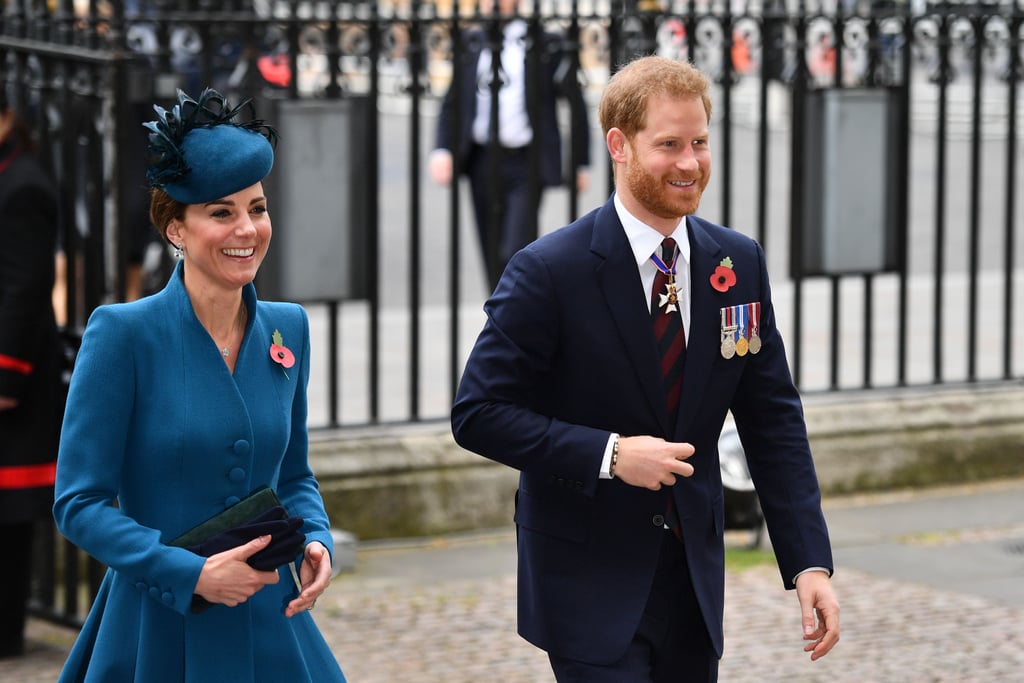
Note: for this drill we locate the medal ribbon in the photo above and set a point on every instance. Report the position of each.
(660, 265)
(670, 272)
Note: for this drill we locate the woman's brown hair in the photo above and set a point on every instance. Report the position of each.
(163, 209)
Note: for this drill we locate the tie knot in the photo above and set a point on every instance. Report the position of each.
(668, 251)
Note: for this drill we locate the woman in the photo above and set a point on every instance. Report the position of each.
(181, 404)
(30, 391)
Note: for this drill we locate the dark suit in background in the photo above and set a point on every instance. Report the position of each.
(30, 390)
(519, 164)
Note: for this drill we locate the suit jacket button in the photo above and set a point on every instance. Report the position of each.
(658, 520)
(578, 485)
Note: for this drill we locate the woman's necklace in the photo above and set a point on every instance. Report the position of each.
(239, 327)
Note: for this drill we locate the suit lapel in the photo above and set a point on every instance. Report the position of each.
(619, 284)
(702, 342)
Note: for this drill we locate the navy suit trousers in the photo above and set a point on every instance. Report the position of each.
(671, 644)
(506, 220)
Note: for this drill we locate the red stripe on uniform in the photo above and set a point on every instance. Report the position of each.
(27, 476)
(15, 364)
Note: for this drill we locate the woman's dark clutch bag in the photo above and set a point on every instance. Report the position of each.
(258, 514)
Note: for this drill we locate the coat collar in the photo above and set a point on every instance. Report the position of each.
(178, 296)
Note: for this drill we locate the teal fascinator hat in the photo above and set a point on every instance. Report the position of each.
(200, 152)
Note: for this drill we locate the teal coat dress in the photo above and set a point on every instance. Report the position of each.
(158, 436)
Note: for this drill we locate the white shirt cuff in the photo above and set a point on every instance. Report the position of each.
(811, 569)
(606, 461)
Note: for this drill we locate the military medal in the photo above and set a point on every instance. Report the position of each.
(741, 346)
(669, 300)
(755, 320)
(728, 348)
(741, 339)
(728, 333)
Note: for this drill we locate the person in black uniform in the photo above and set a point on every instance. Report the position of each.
(30, 387)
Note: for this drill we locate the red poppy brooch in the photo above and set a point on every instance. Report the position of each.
(724, 276)
(281, 354)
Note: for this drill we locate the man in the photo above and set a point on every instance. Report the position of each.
(510, 163)
(604, 373)
(31, 400)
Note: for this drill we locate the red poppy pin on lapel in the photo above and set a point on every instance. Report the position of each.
(281, 354)
(724, 276)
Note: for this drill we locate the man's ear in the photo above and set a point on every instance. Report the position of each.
(616, 141)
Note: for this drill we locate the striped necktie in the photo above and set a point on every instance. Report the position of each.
(671, 338)
(668, 327)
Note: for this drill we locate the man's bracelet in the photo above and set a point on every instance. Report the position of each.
(615, 457)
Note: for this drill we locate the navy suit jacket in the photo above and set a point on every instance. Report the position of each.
(568, 356)
(549, 76)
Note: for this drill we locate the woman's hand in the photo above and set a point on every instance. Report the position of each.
(315, 576)
(227, 578)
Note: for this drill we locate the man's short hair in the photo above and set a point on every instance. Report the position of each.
(624, 101)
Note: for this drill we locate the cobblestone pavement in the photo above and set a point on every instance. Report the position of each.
(443, 610)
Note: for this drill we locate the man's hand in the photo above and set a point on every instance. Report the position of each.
(650, 462)
(228, 579)
(820, 612)
(441, 166)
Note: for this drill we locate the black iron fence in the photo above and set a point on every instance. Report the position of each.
(872, 147)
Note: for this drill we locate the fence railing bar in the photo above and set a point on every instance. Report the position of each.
(835, 320)
(869, 329)
(974, 219)
(75, 65)
(1010, 196)
(373, 245)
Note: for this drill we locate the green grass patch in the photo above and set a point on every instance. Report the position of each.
(738, 559)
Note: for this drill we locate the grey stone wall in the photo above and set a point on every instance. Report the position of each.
(920, 437)
(413, 480)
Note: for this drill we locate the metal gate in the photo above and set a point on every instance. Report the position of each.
(939, 306)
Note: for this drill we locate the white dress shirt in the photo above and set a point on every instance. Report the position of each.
(513, 121)
(644, 241)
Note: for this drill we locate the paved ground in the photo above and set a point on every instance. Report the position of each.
(931, 585)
